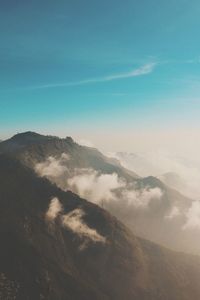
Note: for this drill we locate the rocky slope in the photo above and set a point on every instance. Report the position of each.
(31, 148)
(55, 245)
(147, 205)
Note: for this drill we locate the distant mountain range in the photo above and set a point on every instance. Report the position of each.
(56, 245)
(177, 171)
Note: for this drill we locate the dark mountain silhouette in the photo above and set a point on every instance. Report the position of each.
(31, 148)
(153, 223)
(42, 259)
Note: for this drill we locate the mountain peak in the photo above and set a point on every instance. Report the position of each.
(31, 136)
(26, 138)
(69, 139)
(27, 134)
(46, 145)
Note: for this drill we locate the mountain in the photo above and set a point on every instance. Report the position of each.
(55, 245)
(31, 148)
(146, 205)
(176, 170)
(175, 220)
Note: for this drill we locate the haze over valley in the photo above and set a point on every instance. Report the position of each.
(67, 236)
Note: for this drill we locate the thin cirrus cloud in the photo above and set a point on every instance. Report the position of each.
(143, 70)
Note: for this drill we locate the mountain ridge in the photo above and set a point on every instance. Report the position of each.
(161, 213)
(42, 260)
(51, 145)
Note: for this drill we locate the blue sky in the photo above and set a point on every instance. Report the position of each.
(78, 67)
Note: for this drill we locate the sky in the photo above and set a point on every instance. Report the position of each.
(123, 75)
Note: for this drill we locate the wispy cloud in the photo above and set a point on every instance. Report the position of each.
(74, 221)
(55, 208)
(143, 70)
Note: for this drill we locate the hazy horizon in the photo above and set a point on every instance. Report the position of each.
(180, 142)
(114, 211)
(125, 78)
(120, 79)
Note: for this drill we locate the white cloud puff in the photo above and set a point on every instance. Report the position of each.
(193, 216)
(74, 221)
(175, 212)
(86, 143)
(94, 186)
(52, 167)
(54, 210)
(141, 198)
(179, 172)
(110, 191)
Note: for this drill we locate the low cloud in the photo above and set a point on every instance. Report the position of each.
(74, 221)
(190, 216)
(87, 143)
(193, 217)
(52, 167)
(126, 201)
(179, 172)
(175, 212)
(107, 190)
(95, 187)
(141, 198)
(54, 210)
(144, 209)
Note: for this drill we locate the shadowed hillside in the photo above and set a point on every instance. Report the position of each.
(49, 251)
(147, 205)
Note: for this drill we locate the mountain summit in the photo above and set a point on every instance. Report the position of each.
(30, 148)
